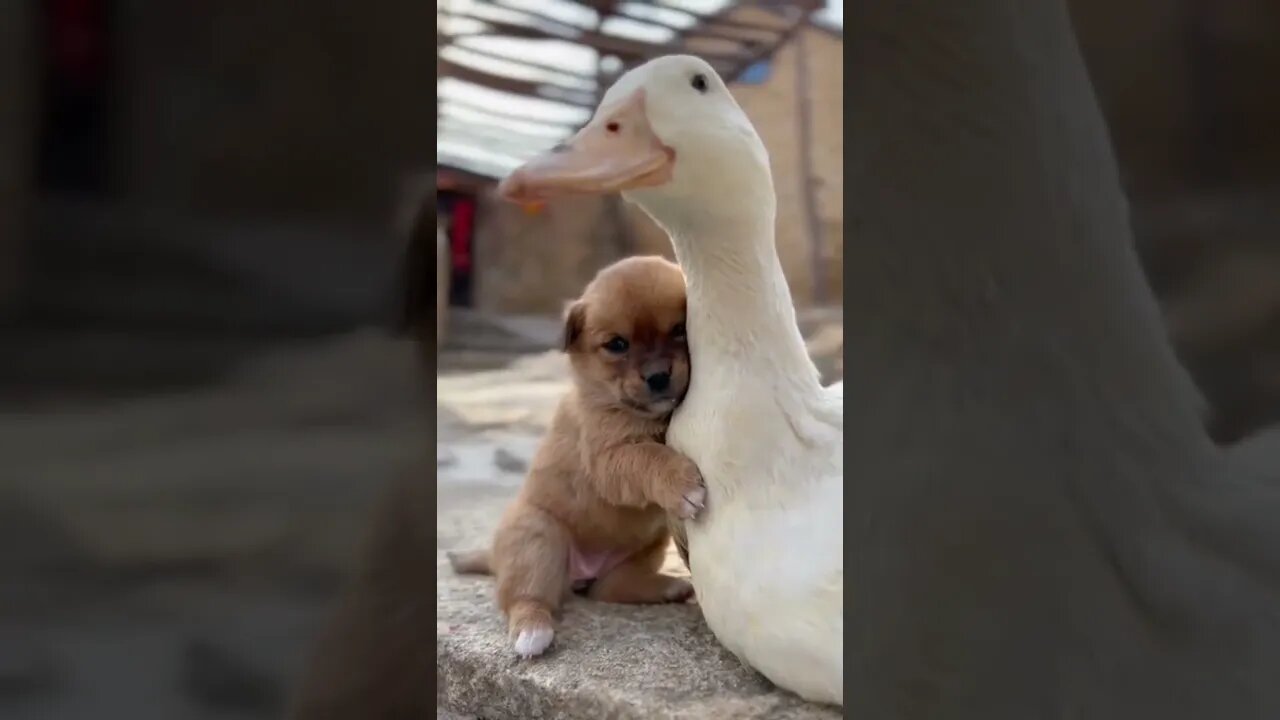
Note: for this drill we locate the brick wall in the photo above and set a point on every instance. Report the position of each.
(533, 262)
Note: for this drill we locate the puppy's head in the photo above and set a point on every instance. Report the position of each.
(625, 337)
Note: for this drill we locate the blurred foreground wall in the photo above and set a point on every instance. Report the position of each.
(181, 173)
(17, 126)
(314, 109)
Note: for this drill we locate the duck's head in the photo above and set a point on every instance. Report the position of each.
(669, 137)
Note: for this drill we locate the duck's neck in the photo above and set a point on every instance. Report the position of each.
(741, 315)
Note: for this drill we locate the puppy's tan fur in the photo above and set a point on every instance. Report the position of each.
(602, 483)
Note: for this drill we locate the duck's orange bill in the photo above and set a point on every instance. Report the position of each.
(617, 150)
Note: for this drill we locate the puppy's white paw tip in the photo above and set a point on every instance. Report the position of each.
(531, 643)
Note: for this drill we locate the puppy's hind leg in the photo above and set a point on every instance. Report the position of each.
(637, 580)
(531, 561)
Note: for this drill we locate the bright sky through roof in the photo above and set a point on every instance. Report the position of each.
(833, 13)
(491, 132)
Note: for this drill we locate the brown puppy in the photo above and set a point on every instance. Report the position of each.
(592, 513)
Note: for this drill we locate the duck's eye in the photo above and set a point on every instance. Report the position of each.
(677, 332)
(617, 345)
(699, 82)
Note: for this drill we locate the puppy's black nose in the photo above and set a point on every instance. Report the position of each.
(658, 381)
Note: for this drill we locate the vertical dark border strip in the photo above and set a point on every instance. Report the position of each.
(438, 326)
(845, 205)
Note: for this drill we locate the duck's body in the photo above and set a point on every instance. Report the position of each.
(767, 558)
(767, 555)
(768, 578)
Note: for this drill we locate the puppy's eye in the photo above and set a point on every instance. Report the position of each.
(677, 332)
(699, 82)
(617, 346)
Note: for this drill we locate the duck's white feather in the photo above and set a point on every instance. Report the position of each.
(766, 560)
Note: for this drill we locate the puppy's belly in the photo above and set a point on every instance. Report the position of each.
(587, 565)
(610, 538)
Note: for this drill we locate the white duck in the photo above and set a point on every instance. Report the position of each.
(767, 556)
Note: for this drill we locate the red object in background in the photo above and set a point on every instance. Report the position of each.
(77, 42)
(464, 213)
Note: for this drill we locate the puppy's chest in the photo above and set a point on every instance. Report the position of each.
(603, 524)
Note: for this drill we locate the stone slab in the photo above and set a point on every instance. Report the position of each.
(608, 661)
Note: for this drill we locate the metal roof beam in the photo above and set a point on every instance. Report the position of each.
(570, 96)
(613, 44)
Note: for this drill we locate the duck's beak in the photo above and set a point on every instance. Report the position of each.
(617, 150)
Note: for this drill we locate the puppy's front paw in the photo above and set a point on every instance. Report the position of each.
(685, 494)
(694, 502)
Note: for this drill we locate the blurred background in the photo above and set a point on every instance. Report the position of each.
(203, 211)
(223, 274)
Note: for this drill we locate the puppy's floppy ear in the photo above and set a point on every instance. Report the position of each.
(575, 317)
